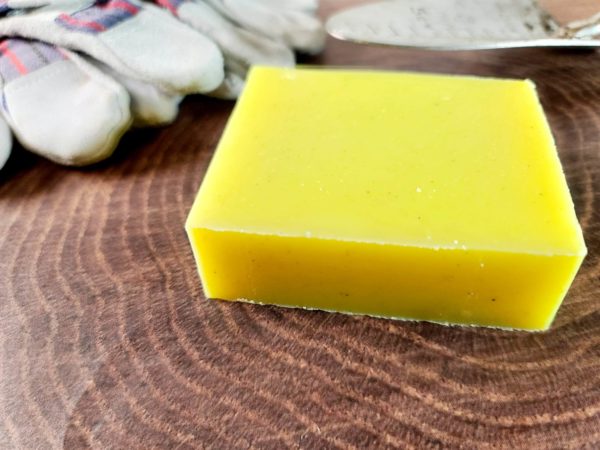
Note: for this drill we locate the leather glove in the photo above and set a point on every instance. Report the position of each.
(80, 73)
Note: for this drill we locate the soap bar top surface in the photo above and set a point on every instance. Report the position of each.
(398, 158)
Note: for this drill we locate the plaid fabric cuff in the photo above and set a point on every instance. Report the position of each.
(20, 57)
(99, 17)
(171, 5)
(4, 7)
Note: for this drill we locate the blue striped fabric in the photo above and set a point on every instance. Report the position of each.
(99, 17)
(4, 7)
(171, 5)
(20, 57)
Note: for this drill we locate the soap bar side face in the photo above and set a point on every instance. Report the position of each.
(515, 291)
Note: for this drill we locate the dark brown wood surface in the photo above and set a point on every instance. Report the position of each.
(106, 340)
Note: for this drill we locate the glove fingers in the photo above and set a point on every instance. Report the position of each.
(5, 142)
(236, 43)
(298, 29)
(149, 105)
(58, 105)
(233, 84)
(148, 44)
(309, 6)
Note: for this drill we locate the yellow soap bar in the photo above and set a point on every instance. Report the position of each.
(403, 195)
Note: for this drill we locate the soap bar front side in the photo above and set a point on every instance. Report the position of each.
(401, 195)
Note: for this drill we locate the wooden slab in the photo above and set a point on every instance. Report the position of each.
(106, 340)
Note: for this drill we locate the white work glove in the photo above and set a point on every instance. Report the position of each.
(135, 63)
(251, 32)
(58, 105)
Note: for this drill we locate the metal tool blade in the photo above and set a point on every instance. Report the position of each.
(461, 25)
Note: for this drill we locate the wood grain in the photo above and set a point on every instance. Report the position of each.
(107, 342)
